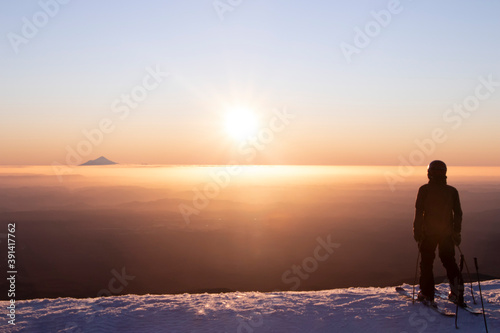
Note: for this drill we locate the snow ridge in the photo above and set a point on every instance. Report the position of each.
(337, 310)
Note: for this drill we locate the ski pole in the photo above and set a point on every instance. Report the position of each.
(468, 275)
(416, 273)
(480, 294)
(460, 289)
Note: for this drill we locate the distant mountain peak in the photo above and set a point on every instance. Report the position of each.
(99, 161)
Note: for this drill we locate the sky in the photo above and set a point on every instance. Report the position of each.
(326, 82)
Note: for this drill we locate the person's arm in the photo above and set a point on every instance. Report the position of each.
(418, 222)
(457, 214)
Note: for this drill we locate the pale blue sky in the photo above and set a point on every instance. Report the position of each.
(266, 53)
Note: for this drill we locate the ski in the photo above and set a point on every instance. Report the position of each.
(406, 294)
(466, 307)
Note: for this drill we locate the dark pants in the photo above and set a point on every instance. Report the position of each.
(447, 256)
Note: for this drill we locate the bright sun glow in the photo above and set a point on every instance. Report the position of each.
(240, 123)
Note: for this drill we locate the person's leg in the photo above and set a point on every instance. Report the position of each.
(447, 256)
(427, 253)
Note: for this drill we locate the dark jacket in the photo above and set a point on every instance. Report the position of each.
(438, 211)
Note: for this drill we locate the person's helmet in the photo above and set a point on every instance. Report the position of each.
(437, 168)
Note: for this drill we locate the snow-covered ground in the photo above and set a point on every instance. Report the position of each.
(338, 310)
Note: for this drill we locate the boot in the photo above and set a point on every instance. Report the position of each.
(456, 298)
(429, 300)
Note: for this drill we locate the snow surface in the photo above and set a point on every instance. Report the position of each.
(338, 310)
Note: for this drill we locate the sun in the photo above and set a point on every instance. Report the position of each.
(241, 123)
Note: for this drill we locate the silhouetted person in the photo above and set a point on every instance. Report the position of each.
(438, 223)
